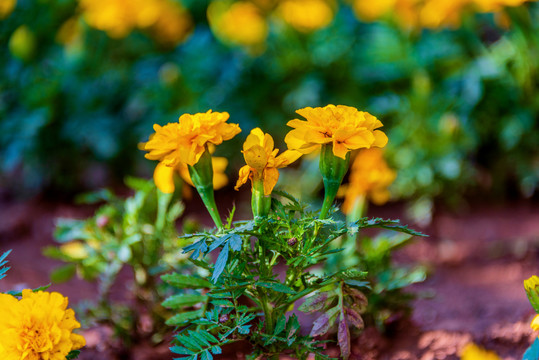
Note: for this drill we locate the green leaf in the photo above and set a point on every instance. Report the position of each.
(3, 262)
(275, 286)
(182, 318)
(314, 303)
(70, 229)
(19, 293)
(183, 300)
(73, 354)
(95, 197)
(63, 273)
(186, 281)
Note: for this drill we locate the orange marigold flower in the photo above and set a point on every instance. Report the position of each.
(306, 15)
(186, 140)
(262, 160)
(38, 326)
(343, 126)
(369, 176)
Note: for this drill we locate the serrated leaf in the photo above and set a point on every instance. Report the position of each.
(183, 300)
(279, 327)
(322, 324)
(222, 302)
(198, 248)
(343, 337)
(186, 281)
(354, 318)
(181, 350)
(220, 264)
(235, 242)
(314, 303)
(182, 318)
(73, 354)
(275, 286)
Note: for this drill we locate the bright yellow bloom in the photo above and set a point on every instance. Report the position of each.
(69, 32)
(531, 283)
(440, 13)
(496, 5)
(306, 15)
(173, 25)
(372, 10)
(262, 160)
(163, 175)
(39, 326)
(6, 7)
(474, 352)
(186, 140)
(369, 177)
(343, 126)
(239, 23)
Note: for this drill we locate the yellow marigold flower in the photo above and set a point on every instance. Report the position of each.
(173, 25)
(69, 32)
(186, 140)
(38, 326)
(6, 7)
(343, 126)
(262, 160)
(496, 5)
(369, 176)
(306, 15)
(439, 13)
(474, 352)
(531, 283)
(163, 175)
(239, 23)
(368, 10)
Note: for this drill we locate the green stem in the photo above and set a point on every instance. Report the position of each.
(206, 194)
(260, 204)
(331, 187)
(333, 169)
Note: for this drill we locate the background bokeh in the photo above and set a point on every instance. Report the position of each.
(454, 82)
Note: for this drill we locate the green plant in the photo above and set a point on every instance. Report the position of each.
(137, 233)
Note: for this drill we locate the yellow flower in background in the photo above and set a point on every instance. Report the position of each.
(262, 160)
(535, 323)
(239, 23)
(119, 17)
(173, 25)
(38, 326)
(186, 140)
(372, 10)
(531, 283)
(441, 13)
(370, 177)
(474, 352)
(496, 5)
(306, 15)
(69, 32)
(6, 7)
(344, 127)
(163, 175)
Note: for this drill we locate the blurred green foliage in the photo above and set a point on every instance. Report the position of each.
(459, 105)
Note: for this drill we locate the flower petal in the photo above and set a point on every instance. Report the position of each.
(163, 176)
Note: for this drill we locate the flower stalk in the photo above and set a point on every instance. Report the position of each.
(333, 169)
(260, 203)
(202, 176)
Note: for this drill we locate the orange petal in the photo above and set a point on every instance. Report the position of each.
(163, 176)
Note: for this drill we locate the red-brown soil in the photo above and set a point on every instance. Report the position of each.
(478, 261)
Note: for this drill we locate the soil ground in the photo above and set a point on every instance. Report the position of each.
(478, 261)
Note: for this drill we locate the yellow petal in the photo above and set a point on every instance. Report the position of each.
(163, 176)
(256, 157)
(271, 175)
(380, 139)
(244, 174)
(287, 158)
(78, 341)
(340, 150)
(255, 138)
(380, 196)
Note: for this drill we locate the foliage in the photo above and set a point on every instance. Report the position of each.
(457, 101)
(138, 233)
(247, 299)
(3, 261)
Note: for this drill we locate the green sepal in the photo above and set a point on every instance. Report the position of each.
(333, 169)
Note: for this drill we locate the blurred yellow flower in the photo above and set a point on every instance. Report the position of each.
(262, 160)
(163, 175)
(75, 250)
(186, 140)
(531, 283)
(496, 5)
(369, 177)
(442, 13)
(372, 10)
(239, 23)
(119, 17)
(69, 32)
(6, 7)
(38, 326)
(474, 352)
(306, 15)
(343, 126)
(535, 323)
